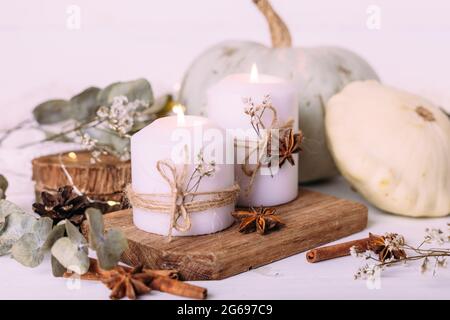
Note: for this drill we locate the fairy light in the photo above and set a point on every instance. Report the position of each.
(112, 203)
(72, 155)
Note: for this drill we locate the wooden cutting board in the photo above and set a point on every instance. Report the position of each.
(313, 219)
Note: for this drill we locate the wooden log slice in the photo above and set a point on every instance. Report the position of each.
(104, 180)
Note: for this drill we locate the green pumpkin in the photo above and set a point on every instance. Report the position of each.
(317, 72)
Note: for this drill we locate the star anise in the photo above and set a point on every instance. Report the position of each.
(290, 144)
(260, 220)
(65, 204)
(127, 282)
(387, 247)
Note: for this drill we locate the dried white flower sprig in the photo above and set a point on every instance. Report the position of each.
(391, 249)
(120, 116)
(116, 121)
(256, 112)
(203, 168)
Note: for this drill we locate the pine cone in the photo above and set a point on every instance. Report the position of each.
(65, 204)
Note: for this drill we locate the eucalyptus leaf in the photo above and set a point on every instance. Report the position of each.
(3, 186)
(75, 236)
(84, 105)
(17, 224)
(7, 208)
(161, 104)
(110, 245)
(28, 249)
(52, 111)
(41, 229)
(110, 251)
(96, 227)
(139, 89)
(161, 107)
(27, 252)
(56, 233)
(58, 269)
(71, 252)
(71, 255)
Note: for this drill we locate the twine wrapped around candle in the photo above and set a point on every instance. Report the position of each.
(264, 142)
(175, 202)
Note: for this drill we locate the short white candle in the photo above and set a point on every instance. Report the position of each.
(155, 142)
(225, 106)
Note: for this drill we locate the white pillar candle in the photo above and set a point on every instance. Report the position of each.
(226, 107)
(157, 142)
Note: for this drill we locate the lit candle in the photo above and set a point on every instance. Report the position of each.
(225, 106)
(162, 140)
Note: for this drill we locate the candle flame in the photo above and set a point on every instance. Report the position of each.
(72, 155)
(178, 109)
(254, 77)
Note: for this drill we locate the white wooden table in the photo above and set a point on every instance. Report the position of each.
(291, 278)
(162, 45)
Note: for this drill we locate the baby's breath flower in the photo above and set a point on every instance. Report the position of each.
(353, 252)
(124, 157)
(87, 141)
(441, 262)
(95, 156)
(266, 100)
(368, 272)
(103, 112)
(126, 124)
(120, 116)
(204, 168)
(360, 254)
(436, 235)
(424, 265)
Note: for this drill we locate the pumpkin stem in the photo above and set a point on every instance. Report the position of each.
(279, 32)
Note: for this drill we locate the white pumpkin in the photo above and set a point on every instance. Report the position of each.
(317, 72)
(393, 147)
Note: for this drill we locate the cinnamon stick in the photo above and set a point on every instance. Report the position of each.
(164, 280)
(95, 275)
(335, 251)
(178, 288)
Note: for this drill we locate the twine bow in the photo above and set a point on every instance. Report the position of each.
(176, 183)
(178, 206)
(264, 142)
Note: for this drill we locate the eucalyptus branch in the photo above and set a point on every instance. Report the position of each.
(19, 126)
(85, 125)
(412, 258)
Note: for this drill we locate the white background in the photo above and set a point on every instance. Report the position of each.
(40, 58)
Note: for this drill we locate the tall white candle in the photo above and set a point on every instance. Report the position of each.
(225, 106)
(158, 142)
